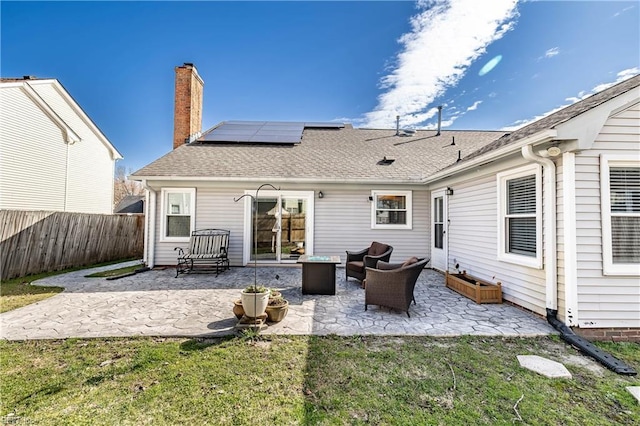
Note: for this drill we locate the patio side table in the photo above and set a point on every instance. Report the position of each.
(319, 274)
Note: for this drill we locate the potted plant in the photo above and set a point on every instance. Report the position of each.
(254, 300)
(277, 309)
(274, 293)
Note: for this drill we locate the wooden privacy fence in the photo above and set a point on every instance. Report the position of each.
(40, 241)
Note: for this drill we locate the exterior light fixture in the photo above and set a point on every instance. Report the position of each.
(320, 194)
(554, 151)
(449, 191)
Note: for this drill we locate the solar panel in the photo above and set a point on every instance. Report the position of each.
(325, 125)
(281, 132)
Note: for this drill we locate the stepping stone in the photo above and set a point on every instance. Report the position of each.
(544, 366)
(635, 391)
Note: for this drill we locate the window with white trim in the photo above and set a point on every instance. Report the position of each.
(620, 216)
(178, 213)
(391, 210)
(520, 217)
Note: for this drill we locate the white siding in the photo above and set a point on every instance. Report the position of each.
(39, 170)
(342, 222)
(91, 167)
(603, 301)
(473, 243)
(33, 155)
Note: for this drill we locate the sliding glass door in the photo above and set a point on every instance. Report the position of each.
(280, 227)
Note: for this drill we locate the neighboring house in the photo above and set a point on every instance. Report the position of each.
(52, 156)
(130, 204)
(440, 194)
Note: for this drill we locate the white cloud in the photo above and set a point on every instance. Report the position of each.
(615, 15)
(621, 76)
(550, 53)
(474, 106)
(446, 37)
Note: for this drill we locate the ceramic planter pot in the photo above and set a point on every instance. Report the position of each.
(254, 304)
(238, 310)
(277, 313)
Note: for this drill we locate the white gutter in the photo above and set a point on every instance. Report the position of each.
(549, 224)
(150, 226)
(277, 180)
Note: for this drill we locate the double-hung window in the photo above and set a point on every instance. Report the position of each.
(178, 213)
(520, 217)
(391, 210)
(620, 197)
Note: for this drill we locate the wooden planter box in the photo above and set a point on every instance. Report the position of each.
(474, 288)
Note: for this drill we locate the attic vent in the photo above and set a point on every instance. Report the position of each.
(385, 161)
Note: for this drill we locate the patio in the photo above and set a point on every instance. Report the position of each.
(155, 303)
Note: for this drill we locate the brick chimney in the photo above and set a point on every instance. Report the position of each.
(187, 118)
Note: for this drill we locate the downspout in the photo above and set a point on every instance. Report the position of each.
(150, 226)
(549, 224)
(550, 264)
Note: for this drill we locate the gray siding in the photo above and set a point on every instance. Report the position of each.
(215, 208)
(604, 301)
(342, 221)
(473, 239)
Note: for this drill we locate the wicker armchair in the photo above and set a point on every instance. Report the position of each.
(392, 285)
(357, 261)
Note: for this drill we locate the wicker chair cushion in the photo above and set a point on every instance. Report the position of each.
(377, 249)
(355, 266)
(409, 261)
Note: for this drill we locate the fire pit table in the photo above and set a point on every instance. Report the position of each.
(319, 274)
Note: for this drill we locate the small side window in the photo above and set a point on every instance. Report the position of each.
(391, 210)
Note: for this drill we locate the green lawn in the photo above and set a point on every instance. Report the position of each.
(308, 380)
(18, 292)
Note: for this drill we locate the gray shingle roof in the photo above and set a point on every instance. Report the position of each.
(130, 204)
(345, 154)
(559, 117)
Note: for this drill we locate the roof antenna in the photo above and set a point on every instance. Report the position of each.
(459, 156)
(397, 125)
(453, 140)
(439, 119)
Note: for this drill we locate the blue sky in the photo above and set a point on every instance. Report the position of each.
(363, 62)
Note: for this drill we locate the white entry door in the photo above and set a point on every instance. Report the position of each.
(439, 222)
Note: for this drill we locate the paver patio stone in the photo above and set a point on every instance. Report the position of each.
(154, 303)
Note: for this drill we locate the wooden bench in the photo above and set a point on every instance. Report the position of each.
(208, 251)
